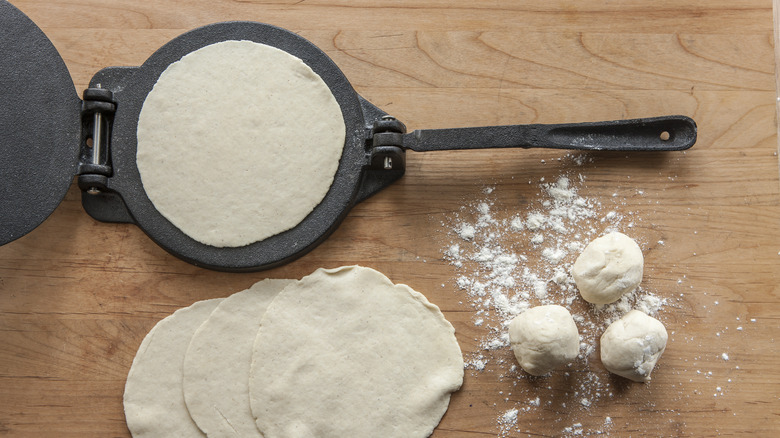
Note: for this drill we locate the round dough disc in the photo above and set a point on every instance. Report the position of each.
(216, 365)
(238, 141)
(346, 353)
(153, 400)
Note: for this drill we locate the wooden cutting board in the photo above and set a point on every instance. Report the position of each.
(78, 296)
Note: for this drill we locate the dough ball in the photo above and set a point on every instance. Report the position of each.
(544, 338)
(631, 346)
(609, 267)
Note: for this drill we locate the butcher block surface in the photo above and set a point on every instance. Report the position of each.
(77, 296)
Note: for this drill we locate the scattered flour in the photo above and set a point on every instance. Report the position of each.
(508, 421)
(510, 259)
(466, 231)
(509, 417)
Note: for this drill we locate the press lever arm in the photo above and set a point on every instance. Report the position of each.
(667, 133)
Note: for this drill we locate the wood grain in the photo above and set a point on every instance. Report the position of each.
(78, 296)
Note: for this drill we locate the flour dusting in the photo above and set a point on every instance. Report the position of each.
(511, 258)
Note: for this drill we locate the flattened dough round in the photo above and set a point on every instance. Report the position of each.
(153, 400)
(238, 141)
(216, 365)
(346, 353)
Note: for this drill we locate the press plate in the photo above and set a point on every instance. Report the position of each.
(39, 125)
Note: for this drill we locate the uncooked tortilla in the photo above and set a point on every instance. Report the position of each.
(153, 400)
(216, 365)
(238, 141)
(346, 353)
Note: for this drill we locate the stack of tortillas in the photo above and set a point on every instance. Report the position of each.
(341, 353)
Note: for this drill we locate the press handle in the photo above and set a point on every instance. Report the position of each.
(667, 133)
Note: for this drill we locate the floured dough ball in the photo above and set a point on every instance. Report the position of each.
(544, 338)
(631, 346)
(609, 267)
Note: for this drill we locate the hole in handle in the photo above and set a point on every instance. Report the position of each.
(665, 136)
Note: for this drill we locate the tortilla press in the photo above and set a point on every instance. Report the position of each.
(49, 135)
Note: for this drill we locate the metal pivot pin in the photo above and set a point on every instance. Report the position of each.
(97, 144)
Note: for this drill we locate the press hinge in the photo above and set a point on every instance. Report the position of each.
(97, 117)
(386, 144)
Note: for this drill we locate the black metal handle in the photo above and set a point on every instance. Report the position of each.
(667, 133)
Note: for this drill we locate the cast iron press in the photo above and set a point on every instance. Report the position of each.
(95, 138)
